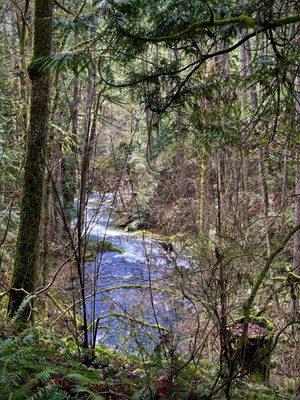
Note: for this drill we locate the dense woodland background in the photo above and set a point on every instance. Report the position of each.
(187, 114)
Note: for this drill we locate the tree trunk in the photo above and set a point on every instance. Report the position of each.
(263, 176)
(296, 249)
(24, 84)
(296, 259)
(284, 181)
(245, 160)
(219, 258)
(28, 236)
(203, 159)
(70, 161)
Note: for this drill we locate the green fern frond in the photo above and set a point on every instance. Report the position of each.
(50, 394)
(144, 394)
(26, 369)
(78, 25)
(75, 61)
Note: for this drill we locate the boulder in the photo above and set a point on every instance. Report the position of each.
(134, 225)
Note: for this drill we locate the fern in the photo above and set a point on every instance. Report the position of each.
(78, 25)
(76, 61)
(30, 371)
(144, 394)
(50, 394)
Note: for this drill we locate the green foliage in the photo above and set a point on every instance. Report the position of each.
(244, 390)
(163, 138)
(76, 61)
(214, 103)
(32, 370)
(35, 368)
(122, 155)
(247, 21)
(144, 394)
(76, 26)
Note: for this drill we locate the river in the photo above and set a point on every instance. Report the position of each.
(142, 265)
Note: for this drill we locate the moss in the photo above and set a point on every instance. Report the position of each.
(134, 320)
(103, 246)
(247, 21)
(255, 353)
(262, 321)
(293, 277)
(24, 275)
(153, 235)
(133, 226)
(278, 278)
(89, 256)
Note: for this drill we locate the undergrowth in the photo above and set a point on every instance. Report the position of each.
(37, 367)
(32, 370)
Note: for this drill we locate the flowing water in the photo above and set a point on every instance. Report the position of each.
(123, 283)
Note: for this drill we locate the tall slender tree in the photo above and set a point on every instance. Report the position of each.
(31, 205)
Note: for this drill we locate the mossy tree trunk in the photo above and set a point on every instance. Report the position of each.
(31, 205)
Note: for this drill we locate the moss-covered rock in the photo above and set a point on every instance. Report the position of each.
(255, 355)
(89, 256)
(103, 246)
(133, 226)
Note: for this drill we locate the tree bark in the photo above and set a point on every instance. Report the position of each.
(30, 215)
(245, 160)
(263, 175)
(296, 258)
(296, 247)
(70, 161)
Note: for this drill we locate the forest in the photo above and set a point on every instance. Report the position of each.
(149, 199)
